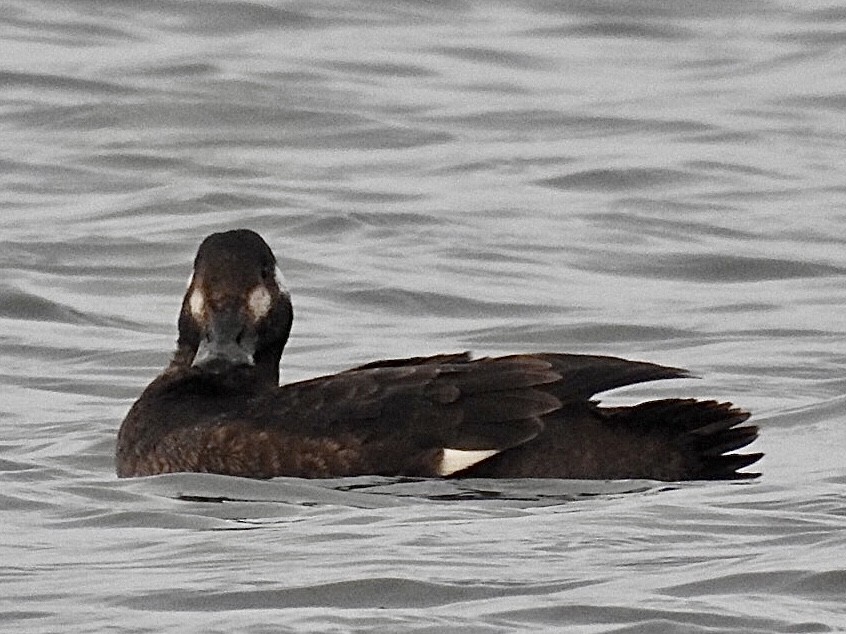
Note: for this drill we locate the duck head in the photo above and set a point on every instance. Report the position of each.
(237, 312)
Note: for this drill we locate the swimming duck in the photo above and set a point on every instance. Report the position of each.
(218, 406)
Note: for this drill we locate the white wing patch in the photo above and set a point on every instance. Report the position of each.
(454, 460)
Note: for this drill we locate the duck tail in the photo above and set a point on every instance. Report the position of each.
(704, 432)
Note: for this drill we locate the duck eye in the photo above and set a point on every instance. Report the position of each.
(267, 272)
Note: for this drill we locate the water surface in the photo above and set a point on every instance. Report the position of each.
(656, 181)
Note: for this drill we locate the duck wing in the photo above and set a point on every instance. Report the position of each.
(401, 419)
(438, 359)
(437, 415)
(583, 376)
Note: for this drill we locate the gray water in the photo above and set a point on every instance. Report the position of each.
(656, 180)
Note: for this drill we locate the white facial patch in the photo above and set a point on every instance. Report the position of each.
(259, 302)
(197, 303)
(454, 460)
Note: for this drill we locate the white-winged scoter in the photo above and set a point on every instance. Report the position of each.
(218, 406)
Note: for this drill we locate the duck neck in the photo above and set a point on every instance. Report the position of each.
(265, 371)
(267, 364)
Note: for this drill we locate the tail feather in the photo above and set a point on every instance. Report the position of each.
(726, 418)
(703, 432)
(732, 440)
(728, 467)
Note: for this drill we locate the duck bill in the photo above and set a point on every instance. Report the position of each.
(228, 343)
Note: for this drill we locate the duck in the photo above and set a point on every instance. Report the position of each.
(218, 407)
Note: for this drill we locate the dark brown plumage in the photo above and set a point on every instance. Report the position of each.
(218, 408)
